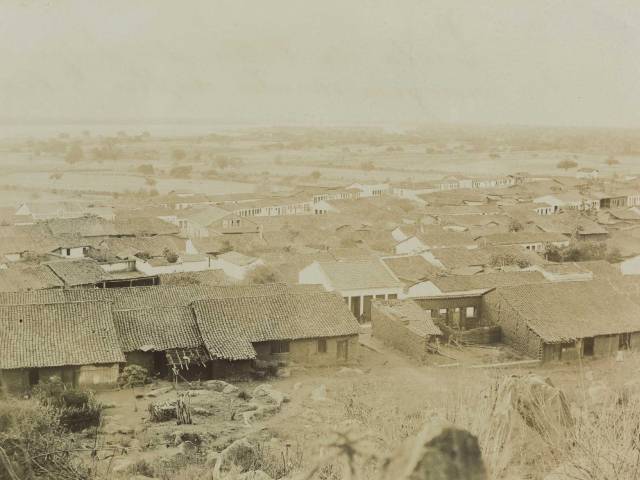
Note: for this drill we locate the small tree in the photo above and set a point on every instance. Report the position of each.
(146, 169)
(171, 256)
(75, 154)
(178, 154)
(262, 274)
(315, 175)
(567, 164)
(515, 225)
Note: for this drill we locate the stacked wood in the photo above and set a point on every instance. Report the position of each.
(162, 412)
(474, 336)
(183, 410)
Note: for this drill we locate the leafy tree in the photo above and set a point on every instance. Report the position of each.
(262, 274)
(181, 172)
(567, 164)
(170, 255)
(315, 175)
(149, 181)
(178, 154)
(515, 225)
(75, 154)
(146, 169)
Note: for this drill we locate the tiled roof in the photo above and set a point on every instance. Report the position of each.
(229, 326)
(144, 226)
(438, 238)
(157, 296)
(156, 328)
(419, 321)
(49, 335)
(521, 237)
(123, 247)
(411, 268)
(237, 258)
(561, 312)
(460, 283)
(90, 226)
(359, 275)
(34, 277)
(78, 272)
(204, 216)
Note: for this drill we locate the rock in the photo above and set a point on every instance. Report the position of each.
(216, 385)
(121, 464)
(254, 475)
(283, 373)
(267, 393)
(212, 458)
(440, 451)
(159, 391)
(346, 371)
(200, 411)
(230, 389)
(186, 448)
(319, 393)
(297, 386)
(197, 393)
(240, 453)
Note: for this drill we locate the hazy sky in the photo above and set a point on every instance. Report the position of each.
(560, 62)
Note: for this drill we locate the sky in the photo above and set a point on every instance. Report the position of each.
(331, 62)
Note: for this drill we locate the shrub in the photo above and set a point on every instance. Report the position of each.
(77, 409)
(133, 376)
(36, 444)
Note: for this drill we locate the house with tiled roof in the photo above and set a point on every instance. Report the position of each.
(565, 321)
(435, 238)
(358, 282)
(411, 269)
(213, 220)
(76, 342)
(314, 328)
(28, 277)
(528, 240)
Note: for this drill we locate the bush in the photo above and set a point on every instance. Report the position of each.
(181, 172)
(133, 376)
(77, 409)
(35, 442)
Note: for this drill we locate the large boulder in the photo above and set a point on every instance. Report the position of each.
(267, 394)
(240, 453)
(439, 451)
(216, 385)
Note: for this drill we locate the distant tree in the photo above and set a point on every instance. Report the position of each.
(315, 175)
(178, 154)
(508, 259)
(149, 181)
(143, 255)
(367, 166)
(515, 225)
(55, 175)
(181, 172)
(262, 274)
(612, 161)
(567, 164)
(75, 154)
(146, 169)
(614, 255)
(170, 255)
(222, 162)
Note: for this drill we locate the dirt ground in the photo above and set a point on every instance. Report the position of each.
(384, 396)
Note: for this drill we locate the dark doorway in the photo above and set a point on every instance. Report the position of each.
(624, 341)
(343, 349)
(34, 377)
(587, 347)
(355, 307)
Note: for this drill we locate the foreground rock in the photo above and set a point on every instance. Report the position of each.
(439, 452)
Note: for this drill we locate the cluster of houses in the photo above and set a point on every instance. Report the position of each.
(208, 286)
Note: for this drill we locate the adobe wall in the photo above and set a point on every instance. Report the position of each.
(305, 351)
(398, 335)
